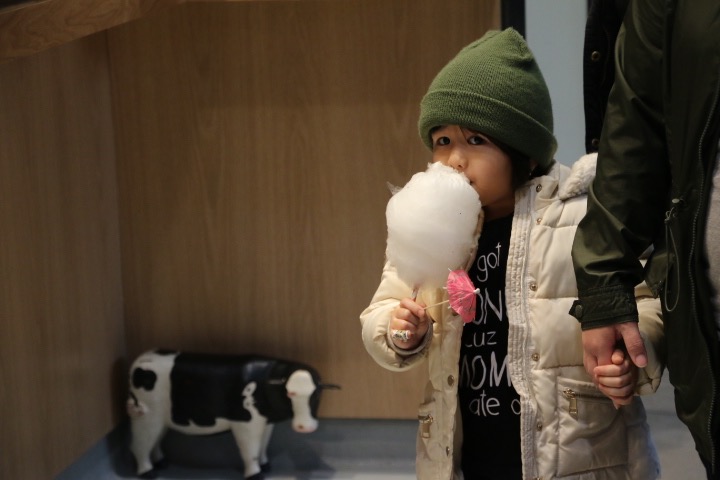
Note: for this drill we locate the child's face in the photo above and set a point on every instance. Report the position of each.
(488, 168)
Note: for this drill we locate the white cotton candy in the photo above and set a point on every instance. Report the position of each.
(431, 224)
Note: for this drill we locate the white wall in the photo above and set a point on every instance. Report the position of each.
(555, 31)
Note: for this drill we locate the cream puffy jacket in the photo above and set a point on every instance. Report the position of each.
(568, 429)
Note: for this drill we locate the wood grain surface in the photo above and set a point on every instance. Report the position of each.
(254, 145)
(211, 177)
(62, 343)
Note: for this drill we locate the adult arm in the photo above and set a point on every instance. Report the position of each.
(628, 197)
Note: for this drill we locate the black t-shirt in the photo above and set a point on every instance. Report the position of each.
(489, 404)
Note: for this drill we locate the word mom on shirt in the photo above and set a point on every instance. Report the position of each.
(483, 367)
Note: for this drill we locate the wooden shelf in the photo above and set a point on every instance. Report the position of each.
(33, 26)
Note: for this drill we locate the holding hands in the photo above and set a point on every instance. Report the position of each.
(617, 380)
(609, 365)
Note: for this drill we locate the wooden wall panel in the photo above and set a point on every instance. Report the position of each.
(254, 144)
(61, 322)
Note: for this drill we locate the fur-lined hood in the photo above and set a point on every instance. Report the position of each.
(581, 175)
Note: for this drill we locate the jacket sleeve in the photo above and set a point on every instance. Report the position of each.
(375, 321)
(627, 199)
(652, 332)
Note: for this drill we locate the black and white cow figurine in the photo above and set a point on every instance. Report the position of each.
(201, 394)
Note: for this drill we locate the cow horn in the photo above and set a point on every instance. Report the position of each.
(329, 386)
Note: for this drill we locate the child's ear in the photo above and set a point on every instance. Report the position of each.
(532, 165)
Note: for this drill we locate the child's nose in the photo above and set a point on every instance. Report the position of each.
(456, 160)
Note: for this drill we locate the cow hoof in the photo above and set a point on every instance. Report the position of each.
(149, 474)
(160, 464)
(265, 468)
(257, 476)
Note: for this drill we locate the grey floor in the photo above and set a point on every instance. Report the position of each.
(345, 450)
(675, 446)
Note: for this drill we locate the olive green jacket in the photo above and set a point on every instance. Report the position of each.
(657, 153)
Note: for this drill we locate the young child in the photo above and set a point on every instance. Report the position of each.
(508, 396)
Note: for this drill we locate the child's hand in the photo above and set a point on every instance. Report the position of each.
(617, 380)
(409, 324)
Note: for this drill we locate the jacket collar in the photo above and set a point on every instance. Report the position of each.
(581, 176)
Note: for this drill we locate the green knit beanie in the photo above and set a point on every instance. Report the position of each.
(494, 86)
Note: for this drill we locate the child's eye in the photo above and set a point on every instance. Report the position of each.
(442, 141)
(476, 140)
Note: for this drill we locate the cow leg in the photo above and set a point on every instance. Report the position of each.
(158, 459)
(145, 445)
(264, 461)
(249, 438)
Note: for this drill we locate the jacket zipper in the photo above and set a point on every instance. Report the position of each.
(425, 422)
(573, 396)
(677, 205)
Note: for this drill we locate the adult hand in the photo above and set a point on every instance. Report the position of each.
(599, 345)
(409, 317)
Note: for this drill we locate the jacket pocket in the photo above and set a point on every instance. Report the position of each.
(591, 432)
